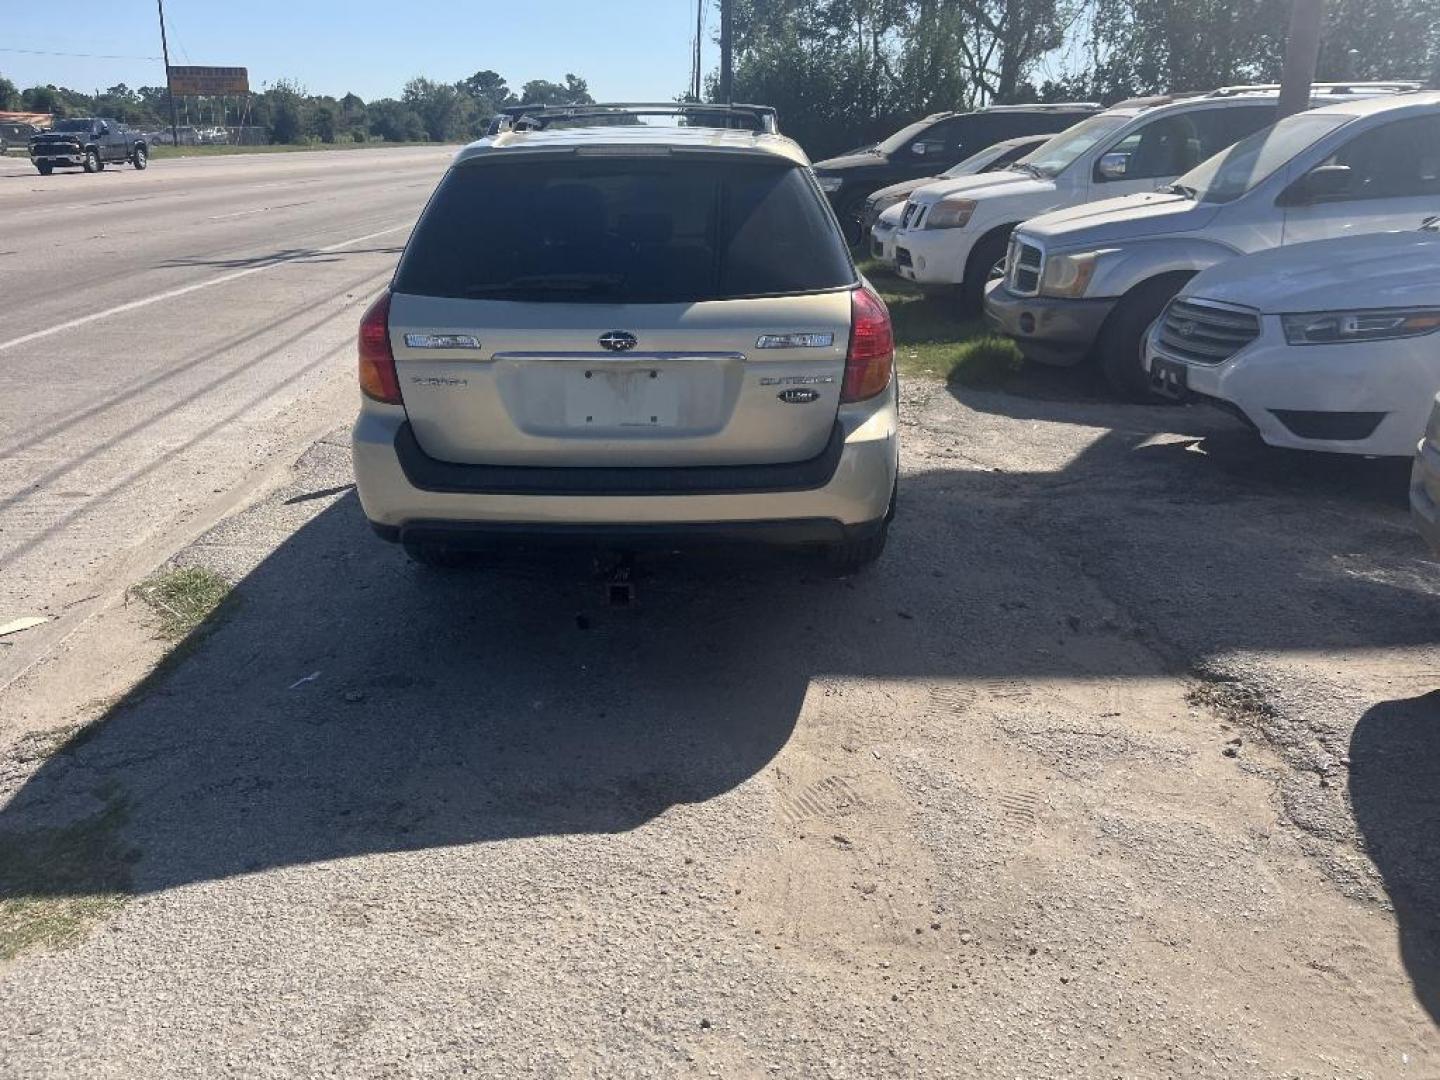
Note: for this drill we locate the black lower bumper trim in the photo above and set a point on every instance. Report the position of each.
(1335, 426)
(793, 532)
(446, 477)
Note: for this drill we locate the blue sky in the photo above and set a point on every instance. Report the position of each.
(627, 49)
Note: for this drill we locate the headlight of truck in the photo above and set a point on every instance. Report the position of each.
(1376, 324)
(1068, 275)
(950, 214)
(829, 184)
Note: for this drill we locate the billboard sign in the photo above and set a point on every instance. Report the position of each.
(208, 81)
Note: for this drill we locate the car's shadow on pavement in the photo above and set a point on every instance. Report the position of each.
(1395, 794)
(350, 703)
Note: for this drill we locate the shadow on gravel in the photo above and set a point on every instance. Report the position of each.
(1395, 793)
(352, 703)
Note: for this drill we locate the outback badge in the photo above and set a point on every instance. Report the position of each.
(798, 396)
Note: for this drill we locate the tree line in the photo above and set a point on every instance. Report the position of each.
(844, 73)
(425, 111)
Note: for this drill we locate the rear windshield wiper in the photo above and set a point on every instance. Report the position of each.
(542, 283)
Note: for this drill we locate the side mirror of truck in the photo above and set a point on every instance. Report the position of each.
(1324, 182)
(1113, 166)
(103, 129)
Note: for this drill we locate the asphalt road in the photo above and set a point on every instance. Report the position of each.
(164, 336)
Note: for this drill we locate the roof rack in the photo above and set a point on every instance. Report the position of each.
(1044, 106)
(761, 119)
(1383, 86)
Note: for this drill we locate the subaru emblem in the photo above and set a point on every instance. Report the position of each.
(618, 341)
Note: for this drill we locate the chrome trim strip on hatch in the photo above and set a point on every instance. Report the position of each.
(619, 358)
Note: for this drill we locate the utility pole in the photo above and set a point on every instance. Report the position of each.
(727, 41)
(1302, 52)
(699, 30)
(169, 93)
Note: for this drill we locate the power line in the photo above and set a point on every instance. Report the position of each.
(87, 56)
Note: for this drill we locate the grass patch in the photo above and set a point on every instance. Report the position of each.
(932, 339)
(161, 152)
(56, 882)
(183, 598)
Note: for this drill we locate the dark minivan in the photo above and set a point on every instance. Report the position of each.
(930, 146)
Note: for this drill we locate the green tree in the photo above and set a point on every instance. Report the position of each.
(573, 91)
(445, 110)
(289, 109)
(9, 94)
(394, 121)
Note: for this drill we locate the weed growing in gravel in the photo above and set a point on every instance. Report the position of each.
(183, 598)
(930, 339)
(56, 881)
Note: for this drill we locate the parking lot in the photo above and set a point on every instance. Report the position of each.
(1120, 763)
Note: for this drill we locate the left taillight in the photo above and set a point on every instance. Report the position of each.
(378, 380)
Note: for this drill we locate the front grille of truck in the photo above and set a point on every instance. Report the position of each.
(1023, 266)
(1205, 332)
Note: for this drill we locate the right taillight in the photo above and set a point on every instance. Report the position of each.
(378, 380)
(871, 359)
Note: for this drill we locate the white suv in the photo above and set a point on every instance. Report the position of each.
(1093, 279)
(955, 232)
(625, 333)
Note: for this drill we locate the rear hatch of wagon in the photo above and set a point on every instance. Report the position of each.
(623, 309)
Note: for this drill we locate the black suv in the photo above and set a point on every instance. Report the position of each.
(931, 146)
(90, 143)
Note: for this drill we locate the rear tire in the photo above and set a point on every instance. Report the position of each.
(93, 164)
(1122, 339)
(851, 556)
(141, 158)
(437, 556)
(988, 254)
(46, 169)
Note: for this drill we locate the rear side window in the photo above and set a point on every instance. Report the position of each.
(624, 231)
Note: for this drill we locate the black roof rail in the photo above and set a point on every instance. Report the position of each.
(761, 119)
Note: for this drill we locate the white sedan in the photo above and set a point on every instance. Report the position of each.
(1331, 345)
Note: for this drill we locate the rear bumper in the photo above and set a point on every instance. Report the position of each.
(406, 493)
(477, 535)
(1047, 330)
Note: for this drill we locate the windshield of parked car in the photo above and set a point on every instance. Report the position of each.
(1239, 168)
(1053, 157)
(904, 137)
(625, 230)
(73, 125)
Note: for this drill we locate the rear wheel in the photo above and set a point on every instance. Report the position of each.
(1121, 343)
(92, 161)
(44, 168)
(850, 556)
(986, 263)
(141, 158)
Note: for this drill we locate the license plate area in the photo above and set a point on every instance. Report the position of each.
(1169, 378)
(621, 397)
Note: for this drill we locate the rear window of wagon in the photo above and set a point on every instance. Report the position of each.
(625, 230)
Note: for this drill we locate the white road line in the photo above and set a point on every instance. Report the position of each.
(85, 320)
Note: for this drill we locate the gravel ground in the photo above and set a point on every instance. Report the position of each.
(1121, 764)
